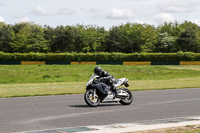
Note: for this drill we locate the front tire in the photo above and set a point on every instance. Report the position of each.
(93, 102)
(129, 99)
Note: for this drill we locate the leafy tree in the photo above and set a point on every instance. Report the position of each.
(125, 38)
(113, 40)
(6, 37)
(73, 39)
(149, 37)
(58, 38)
(168, 34)
(166, 43)
(93, 38)
(131, 34)
(189, 39)
(131, 38)
(67, 39)
(173, 29)
(48, 36)
(29, 38)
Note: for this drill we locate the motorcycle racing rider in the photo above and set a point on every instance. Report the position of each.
(103, 83)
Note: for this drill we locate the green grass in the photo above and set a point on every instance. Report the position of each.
(185, 67)
(34, 80)
(10, 74)
(61, 88)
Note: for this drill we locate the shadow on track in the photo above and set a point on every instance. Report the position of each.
(101, 105)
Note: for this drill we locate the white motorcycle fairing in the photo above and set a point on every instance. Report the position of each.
(111, 97)
(119, 82)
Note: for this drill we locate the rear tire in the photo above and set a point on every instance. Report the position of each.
(128, 100)
(92, 102)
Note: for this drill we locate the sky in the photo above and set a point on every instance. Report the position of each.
(106, 13)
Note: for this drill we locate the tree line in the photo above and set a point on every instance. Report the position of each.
(125, 38)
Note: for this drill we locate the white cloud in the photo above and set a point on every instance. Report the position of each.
(39, 10)
(94, 10)
(197, 21)
(2, 19)
(164, 17)
(178, 6)
(2, 4)
(189, 3)
(172, 9)
(21, 18)
(97, 12)
(25, 19)
(120, 14)
(66, 11)
(139, 22)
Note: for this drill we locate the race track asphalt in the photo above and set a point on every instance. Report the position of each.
(48, 112)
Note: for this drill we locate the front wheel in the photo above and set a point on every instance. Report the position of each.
(91, 100)
(128, 100)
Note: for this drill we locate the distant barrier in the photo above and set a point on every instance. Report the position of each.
(33, 62)
(83, 63)
(189, 62)
(137, 63)
(131, 63)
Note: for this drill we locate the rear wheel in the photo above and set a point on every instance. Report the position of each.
(128, 100)
(91, 100)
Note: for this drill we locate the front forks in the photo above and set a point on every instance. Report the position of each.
(94, 94)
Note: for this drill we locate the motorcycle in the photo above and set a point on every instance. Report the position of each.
(94, 96)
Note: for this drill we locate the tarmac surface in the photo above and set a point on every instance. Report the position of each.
(53, 112)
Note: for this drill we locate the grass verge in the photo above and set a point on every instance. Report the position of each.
(11, 74)
(36, 80)
(61, 88)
